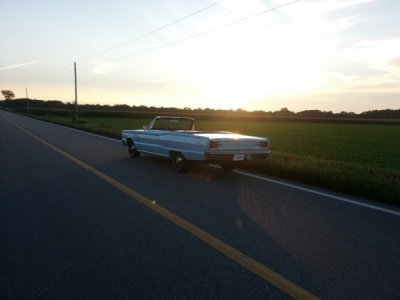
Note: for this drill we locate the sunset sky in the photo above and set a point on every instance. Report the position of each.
(339, 55)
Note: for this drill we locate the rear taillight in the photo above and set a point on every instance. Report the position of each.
(213, 144)
(263, 144)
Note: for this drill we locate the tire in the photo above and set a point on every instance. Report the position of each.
(179, 162)
(227, 166)
(132, 151)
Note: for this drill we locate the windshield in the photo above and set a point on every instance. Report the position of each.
(173, 124)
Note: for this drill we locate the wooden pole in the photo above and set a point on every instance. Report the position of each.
(76, 96)
(27, 99)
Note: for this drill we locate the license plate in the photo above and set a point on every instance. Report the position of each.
(238, 157)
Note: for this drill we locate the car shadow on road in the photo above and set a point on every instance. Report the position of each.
(200, 171)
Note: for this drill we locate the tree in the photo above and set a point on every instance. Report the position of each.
(284, 112)
(8, 95)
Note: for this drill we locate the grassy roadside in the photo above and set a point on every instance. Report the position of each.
(358, 159)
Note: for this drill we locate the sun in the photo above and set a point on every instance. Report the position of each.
(233, 68)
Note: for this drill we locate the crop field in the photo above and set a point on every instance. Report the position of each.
(359, 159)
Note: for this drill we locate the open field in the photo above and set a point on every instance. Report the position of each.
(359, 159)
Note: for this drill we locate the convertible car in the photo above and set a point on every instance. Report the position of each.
(176, 138)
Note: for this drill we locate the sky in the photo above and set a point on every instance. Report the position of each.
(332, 55)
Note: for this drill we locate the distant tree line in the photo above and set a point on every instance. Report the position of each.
(282, 113)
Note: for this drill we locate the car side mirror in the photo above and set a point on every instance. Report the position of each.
(145, 127)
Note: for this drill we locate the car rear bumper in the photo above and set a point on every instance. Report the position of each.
(218, 157)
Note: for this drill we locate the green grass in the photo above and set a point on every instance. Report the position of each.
(359, 159)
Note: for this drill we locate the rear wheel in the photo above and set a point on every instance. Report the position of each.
(179, 162)
(132, 151)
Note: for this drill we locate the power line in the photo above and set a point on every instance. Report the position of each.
(63, 70)
(151, 32)
(203, 32)
(66, 68)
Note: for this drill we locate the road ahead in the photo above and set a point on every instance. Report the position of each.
(74, 224)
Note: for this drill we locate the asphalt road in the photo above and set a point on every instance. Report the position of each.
(66, 233)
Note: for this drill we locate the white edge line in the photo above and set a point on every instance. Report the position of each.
(389, 211)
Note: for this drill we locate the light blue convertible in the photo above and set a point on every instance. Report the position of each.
(176, 138)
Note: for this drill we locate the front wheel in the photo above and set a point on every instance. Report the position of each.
(132, 151)
(179, 162)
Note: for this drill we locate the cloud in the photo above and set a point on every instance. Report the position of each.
(328, 6)
(18, 65)
(359, 70)
(376, 52)
(316, 16)
(240, 7)
(395, 62)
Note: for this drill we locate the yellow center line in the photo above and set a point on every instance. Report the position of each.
(242, 259)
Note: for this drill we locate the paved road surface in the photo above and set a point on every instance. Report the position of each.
(66, 233)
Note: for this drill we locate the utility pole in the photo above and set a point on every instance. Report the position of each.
(27, 99)
(76, 96)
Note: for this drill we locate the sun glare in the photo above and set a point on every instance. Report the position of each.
(236, 67)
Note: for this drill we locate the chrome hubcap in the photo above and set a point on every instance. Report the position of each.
(179, 160)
